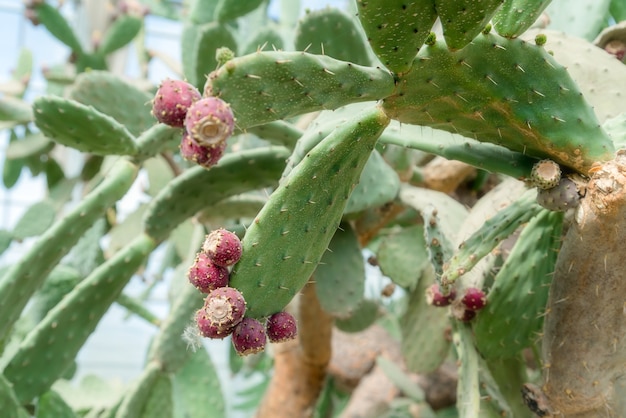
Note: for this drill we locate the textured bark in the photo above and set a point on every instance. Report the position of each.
(300, 365)
(584, 344)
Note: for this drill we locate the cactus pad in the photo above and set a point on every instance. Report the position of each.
(267, 86)
(516, 302)
(284, 244)
(82, 127)
(515, 16)
(462, 20)
(506, 92)
(340, 277)
(396, 29)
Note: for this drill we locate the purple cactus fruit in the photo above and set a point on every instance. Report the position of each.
(474, 299)
(206, 275)
(281, 327)
(435, 297)
(223, 247)
(210, 121)
(461, 312)
(209, 330)
(224, 308)
(205, 157)
(249, 337)
(561, 198)
(172, 100)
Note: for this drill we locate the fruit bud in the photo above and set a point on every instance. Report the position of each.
(281, 327)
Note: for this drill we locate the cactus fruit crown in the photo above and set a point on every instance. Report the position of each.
(223, 247)
(210, 121)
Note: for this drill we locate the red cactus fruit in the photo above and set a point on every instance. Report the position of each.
(281, 327)
(474, 299)
(205, 157)
(249, 337)
(206, 275)
(468, 315)
(210, 121)
(172, 100)
(209, 330)
(435, 297)
(224, 308)
(223, 247)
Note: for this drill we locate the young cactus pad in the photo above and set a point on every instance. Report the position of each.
(286, 241)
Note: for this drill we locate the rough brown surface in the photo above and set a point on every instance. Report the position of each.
(584, 348)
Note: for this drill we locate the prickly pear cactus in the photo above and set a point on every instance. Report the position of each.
(298, 142)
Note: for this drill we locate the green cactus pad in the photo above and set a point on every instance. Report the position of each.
(168, 348)
(616, 128)
(30, 145)
(265, 38)
(462, 20)
(123, 30)
(340, 277)
(59, 282)
(226, 10)
(468, 388)
(332, 32)
(517, 300)
(396, 29)
(52, 345)
(35, 221)
(379, 184)
(8, 400)
(506, 92)
(103, 90)
(361, 318)
(155, 140)
(485, 156)
(52, 405)
(235, 173)
(25, 276)
(285, 243)
(197, 391)
(493, 231)
(160, 401)
(424, 345)
(82, 127)
(53, 20)
(14, 111)
(267, 86)
(199, 52)
(278, 133)
(135, 399)
(402, 256)
(583, 19)
(515, 16)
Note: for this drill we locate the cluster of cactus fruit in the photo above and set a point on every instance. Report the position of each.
(336, 124)
(224, 307)
(207, 122)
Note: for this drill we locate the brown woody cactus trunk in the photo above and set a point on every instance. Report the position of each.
(584, 344)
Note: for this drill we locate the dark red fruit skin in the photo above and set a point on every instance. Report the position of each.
(205, 275)
(210, 121)
(209, 330)
(205, 157)
(223, 247)
(249, 337)
(474, 299)
(224, 307)
(468, 315)
(172, 100)
(436, 298)
(281, 327)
